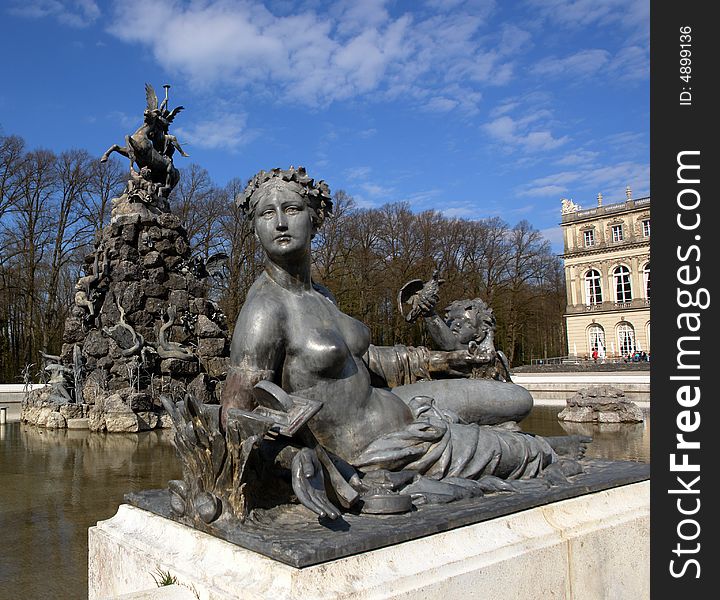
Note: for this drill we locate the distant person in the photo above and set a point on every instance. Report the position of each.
(595, 355)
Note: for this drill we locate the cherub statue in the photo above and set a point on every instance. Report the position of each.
(468, 325)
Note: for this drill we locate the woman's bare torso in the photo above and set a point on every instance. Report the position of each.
(322, 359)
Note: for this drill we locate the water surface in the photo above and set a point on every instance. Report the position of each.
(615, 441)
(56, 484)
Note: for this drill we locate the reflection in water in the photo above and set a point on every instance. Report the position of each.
(616, 441)
(56, 484)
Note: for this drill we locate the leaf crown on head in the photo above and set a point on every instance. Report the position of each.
(315, 194)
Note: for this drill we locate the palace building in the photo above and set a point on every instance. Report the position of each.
(607, 275)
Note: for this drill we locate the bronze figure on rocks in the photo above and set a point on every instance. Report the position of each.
(299, 399)
(152, 146)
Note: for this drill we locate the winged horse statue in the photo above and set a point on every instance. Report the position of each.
(151, 145)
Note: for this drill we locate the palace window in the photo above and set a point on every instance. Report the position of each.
(593, 290)
(617, 233)
(646, 279)
(626, 338)
(623, 293)
(589, 237)
(646, 228)
(596, 338)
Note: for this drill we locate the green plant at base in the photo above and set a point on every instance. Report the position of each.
(163, 578)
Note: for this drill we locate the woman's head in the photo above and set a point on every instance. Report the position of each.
(315, 195)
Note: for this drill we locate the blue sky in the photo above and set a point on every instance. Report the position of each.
(475, 108)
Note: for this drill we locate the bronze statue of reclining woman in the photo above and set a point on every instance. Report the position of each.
(290, 335)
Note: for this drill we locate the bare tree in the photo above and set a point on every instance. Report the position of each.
(28, 231)
(106, 181)
(11, 154)
(72, 176)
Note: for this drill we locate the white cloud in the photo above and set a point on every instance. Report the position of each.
(367, 133)
(579, 157)
(504, 108)
(126, 121)
(622, 20)
(610, 179)
(460, 212)
(223, 131)
(576, 14)
(363, 202)
(355, 173)
(544, 190)
(440, 104)
(422, 198)
(517, 133)
(631, 63)
(581, 64)
(315, 55)
(75, 13)
(354, 17)
(375, 190)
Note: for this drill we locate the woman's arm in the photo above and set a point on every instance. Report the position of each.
(392, 366)
(257, 352)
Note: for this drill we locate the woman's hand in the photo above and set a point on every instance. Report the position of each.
(308, 484)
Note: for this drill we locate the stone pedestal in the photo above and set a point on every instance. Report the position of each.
(588, 547)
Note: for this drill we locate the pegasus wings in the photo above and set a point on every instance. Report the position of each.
(151, 97)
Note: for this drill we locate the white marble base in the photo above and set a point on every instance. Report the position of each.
(586, 548)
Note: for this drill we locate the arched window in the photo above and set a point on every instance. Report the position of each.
(625, 338)
(621, 276)
(596, 339)
(593, 291)
(646, 279)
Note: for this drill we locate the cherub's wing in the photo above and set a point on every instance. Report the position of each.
(151, 97)
(173, 113)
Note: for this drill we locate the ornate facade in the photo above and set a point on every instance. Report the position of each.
(607, 274)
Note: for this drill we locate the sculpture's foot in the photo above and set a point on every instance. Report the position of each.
(569, 446)
(104, 158)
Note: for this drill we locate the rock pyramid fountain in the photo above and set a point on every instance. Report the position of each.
(141, 324)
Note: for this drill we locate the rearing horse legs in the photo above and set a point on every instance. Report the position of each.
(115, 148)
(130, 152)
